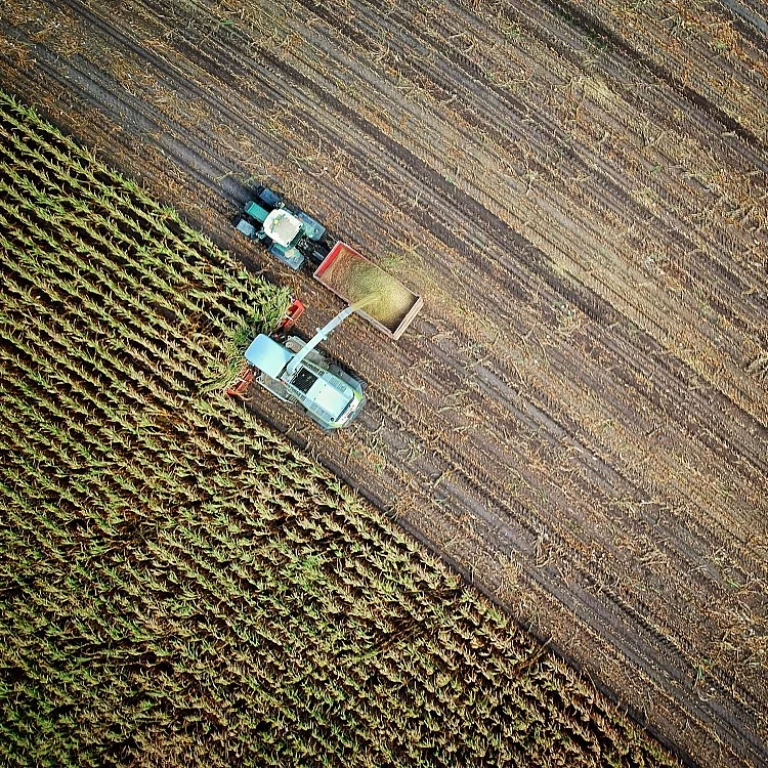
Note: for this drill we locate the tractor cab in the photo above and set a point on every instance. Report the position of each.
(291, 235)
(282, 227)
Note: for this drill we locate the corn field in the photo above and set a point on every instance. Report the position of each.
(178, 585)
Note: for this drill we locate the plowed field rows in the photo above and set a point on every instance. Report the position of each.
(578, 418)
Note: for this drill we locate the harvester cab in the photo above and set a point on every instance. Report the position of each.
(290, 234)
(296, 371)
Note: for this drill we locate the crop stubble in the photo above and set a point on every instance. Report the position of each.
(572, 419)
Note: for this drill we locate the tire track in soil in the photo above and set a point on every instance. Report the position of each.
(748, 21)
(593, 28)
(425, 178)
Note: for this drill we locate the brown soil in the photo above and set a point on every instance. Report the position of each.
(577, 420)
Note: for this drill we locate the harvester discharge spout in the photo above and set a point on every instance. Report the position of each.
(324, 332)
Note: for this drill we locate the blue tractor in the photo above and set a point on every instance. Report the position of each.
(291, 235)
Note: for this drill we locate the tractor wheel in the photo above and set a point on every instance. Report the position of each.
(270, 198)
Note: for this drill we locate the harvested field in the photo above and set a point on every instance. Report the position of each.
(178, 585)
(578, 417)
